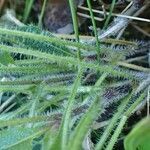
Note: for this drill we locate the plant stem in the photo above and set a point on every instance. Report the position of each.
(75, 25)
(27, 9)
(116, 133)
(74, 19)
(110, 14)
(42, 13)
(94, 24)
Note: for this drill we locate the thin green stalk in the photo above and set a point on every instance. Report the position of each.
(54, 100)
(94, 24)
(116, 133)
(75, 24)
(62, 137)
(27, 10)
(82, 128)
(112, 123)
(67, 115)
(123, 120)
(36, 97)
(74, 19)
(42, 13)
(84, 125)
(134, 105)
(110, 14)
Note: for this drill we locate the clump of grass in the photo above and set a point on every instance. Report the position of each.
(52, 94)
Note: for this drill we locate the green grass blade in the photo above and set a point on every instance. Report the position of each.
(86, 121)
(27, 10)
(110, 14)
(112, 123)
(94, 25)
(62, 138)
(42, 13)
(83, 127)
(139, 137)
(123, 120)
(74, 18)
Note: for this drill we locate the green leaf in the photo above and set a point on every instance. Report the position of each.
(6, 58)
(83, 127)
(17, 138)
(139, 137)
(62, 138)
(49, 138)
(27, 10)
(24, 145)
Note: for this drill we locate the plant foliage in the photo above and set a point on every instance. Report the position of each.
(53, 91)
